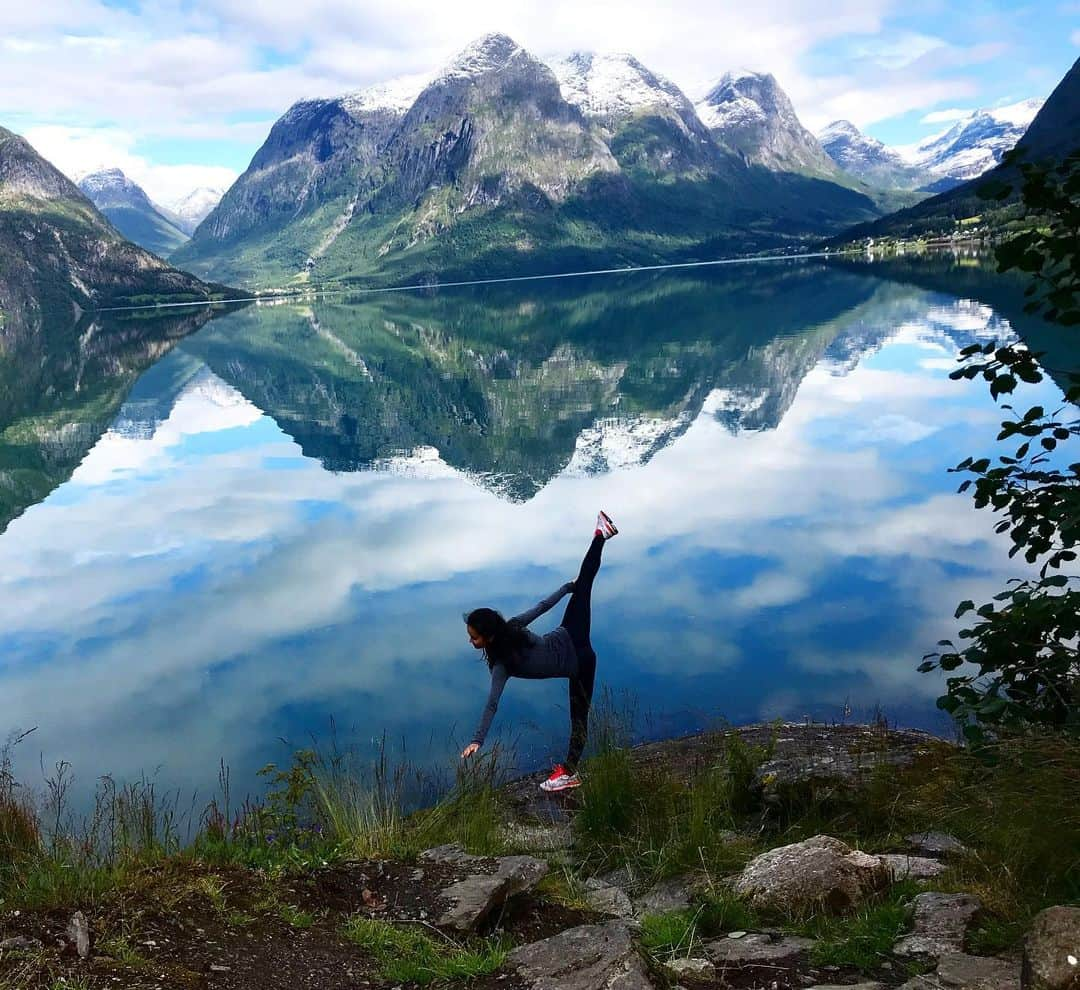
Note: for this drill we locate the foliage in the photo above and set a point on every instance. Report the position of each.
(409, 955)
(863, 939)
(661, 823)
(1022, 666)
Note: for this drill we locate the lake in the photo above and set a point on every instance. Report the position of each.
(224, 536)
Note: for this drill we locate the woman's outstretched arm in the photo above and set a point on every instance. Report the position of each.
(544, 605)
(499, 676)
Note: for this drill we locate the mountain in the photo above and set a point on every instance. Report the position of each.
(973, 144)
(644, 118)
(498, 165)
(868, 159)
(749, 113)
(1054, 133)
(190, 210)
(131, 211)
(59, 256)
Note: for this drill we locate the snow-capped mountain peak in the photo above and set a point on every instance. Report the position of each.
(752, 115)
(975, 142)
(868, 159)
(110, 186)
(485, 54)
(614, 84)
(395, 95)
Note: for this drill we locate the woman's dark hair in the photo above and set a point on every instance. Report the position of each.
(504, 638)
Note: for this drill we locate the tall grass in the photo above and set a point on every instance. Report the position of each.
(662, 820)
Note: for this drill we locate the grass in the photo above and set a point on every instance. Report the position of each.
(661, 822)
(406, 954)
(864, 938)
(120, 948)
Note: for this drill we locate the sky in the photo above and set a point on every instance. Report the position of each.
(181, 94)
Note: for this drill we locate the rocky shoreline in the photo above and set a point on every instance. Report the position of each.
(551, 920)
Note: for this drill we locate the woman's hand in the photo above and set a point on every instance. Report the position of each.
(469, 750)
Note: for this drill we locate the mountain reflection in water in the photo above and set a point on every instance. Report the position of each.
(222, 532)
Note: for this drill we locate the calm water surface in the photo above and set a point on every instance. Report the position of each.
(218, 542)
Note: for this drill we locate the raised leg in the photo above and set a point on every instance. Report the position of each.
(578, 615)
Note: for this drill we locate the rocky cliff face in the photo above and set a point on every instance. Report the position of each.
(749, 113)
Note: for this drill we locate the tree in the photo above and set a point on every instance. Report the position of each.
(1021, 664)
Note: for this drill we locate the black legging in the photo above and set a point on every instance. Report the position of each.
(577, 620)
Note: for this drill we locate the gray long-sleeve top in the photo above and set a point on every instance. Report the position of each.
(550, 655)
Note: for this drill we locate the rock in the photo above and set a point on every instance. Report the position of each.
(621, 876)
(757, 949)
(487, 883)
(78, 931)
(1052, 951)
(941, 923)
(958, 971)
(820, 872)
(539, 838)
(668, 895)
(684, 966)
(912, 867)
(20, 943)
(608, 899)
(589, 957)
(847, 986)
(935, 844)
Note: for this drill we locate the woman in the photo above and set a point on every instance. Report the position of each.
(512, 650)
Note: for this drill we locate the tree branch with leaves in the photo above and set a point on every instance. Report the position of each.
(1021, 664)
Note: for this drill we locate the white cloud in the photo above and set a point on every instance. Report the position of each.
(1075, 38)
(170, 70)
(77, 151)
(945, 116)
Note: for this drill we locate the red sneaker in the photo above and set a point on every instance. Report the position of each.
(604, 526)
(560, 780)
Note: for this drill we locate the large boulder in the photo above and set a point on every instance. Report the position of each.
(821, 872)
(1052, 951)
(590, 957)
(480, 884)
(941, 924)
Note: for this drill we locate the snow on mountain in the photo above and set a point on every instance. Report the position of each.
(749, 113)
(615, 85)
(110, 187)
(490, 52)
(611, 444)
(868, 159)
(974, 143)
(190, 210)
(395, 95)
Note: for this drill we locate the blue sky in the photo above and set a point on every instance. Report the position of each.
(181, 93)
